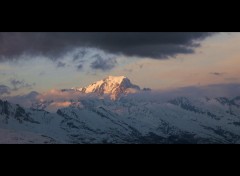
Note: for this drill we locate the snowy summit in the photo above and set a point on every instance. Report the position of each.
(115, 86)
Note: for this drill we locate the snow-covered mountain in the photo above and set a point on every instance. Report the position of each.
(181, 120)
(114, 86)
(124, 119)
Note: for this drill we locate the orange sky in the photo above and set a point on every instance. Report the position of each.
(219, 54)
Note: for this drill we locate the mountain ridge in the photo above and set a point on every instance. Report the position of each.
(181, 120)
(114, 86)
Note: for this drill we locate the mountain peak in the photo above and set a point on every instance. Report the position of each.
(115, 86)
(116, 80)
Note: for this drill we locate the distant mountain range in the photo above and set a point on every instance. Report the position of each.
(122, 118)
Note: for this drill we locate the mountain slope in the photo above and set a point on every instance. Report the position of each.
(181, 120)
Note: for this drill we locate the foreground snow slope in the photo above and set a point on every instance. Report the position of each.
(128, 120)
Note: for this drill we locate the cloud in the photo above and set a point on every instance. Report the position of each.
(42, 73)
(217, 73)
(103, 64)
(79, 67)
(17, 84)
(4, 90)
(52, 98)
(54, 106)
(3, 73)
(157, 45)
(24, 100)
(61, 64)
(58, 95)
(128, 70)
(80, 54)
(55, 99)
(210, 91)
(234, 79)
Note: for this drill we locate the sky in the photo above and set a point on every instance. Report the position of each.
(40, 61)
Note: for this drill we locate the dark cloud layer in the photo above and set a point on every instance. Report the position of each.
(156, 45)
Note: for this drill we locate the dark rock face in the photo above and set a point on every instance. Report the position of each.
(8, 111)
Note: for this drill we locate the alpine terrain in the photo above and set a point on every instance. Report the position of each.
(114, 110)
